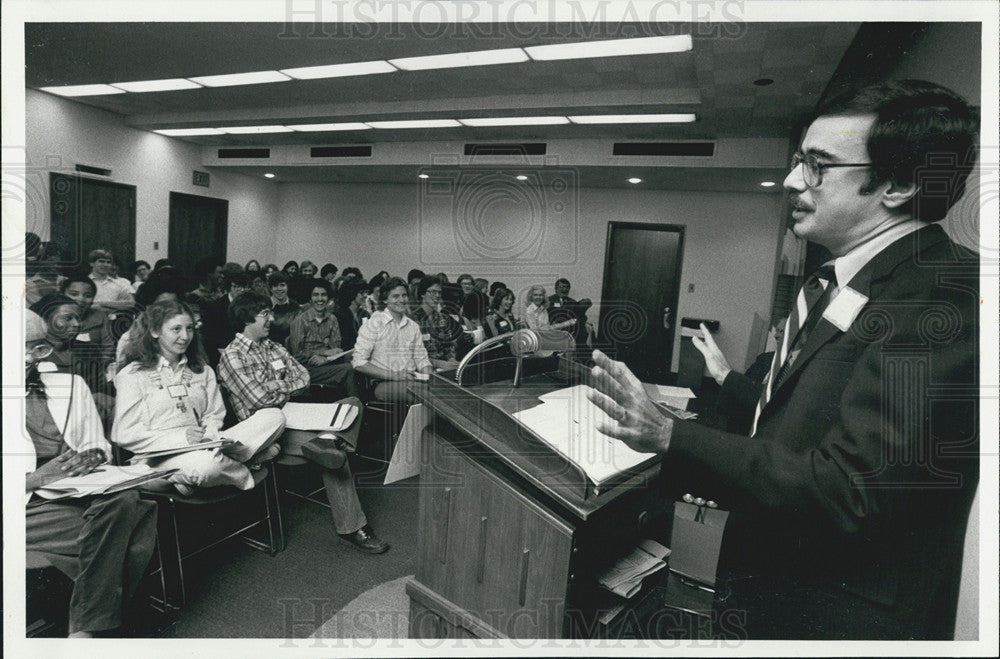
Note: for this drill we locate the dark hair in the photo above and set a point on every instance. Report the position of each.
(47, 306)
(462, 277)
(143, 346)
(352, 271)
(157, 283)
(239, 278)
(499, 295)
(328, 269)
(426, 283)
(415, 274)
(244, 308)
(495, 286)
(277, 277)
(271, 267)
(388, 286)
(923, 135)
(163, 263)
(443, 277)
(138, 264)
(205, 266)
(562, 280)
(247, 266)
(348, 290)
(77, 277)
(98, 254)
(307, 262)
(289, 265)
(313, 284)
(474, 306)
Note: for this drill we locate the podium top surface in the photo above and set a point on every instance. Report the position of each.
(481, 413)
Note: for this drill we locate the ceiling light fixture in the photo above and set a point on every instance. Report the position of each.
(232, 79)
(187, 132)
(340, 70)
(514, 121)
(457, 60)
(319, 128)
(254, 130)
(635, 181)
(521, 177)
(268, 175)
(83, 90)
(415, 123)
(767, 184)
(633, 118)
(423, 176)
(143, 86)
(611, 48)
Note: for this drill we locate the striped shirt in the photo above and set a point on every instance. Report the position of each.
(390, 345)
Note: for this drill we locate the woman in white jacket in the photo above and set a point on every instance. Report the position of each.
(168, 397)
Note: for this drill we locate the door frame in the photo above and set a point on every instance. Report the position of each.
(649, 226)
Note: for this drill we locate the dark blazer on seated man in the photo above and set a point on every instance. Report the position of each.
(850, 500)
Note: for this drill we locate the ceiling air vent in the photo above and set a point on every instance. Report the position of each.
(362, 151)
(244, 153)
(97, 171)
(703, 149)
(521, 149)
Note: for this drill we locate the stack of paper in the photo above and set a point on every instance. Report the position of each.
(625, 577)
(567, 421)
(103, 480)
(675, 398)
(334, 417)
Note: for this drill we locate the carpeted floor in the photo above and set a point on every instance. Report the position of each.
(237, 592)
(382, 612)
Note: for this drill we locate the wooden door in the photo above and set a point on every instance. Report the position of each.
(88, 214)
(198, 228)
(642, 272)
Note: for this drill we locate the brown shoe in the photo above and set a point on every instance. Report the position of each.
(364, 539)
(325, 452)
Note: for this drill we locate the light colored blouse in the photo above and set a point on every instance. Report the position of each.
(155, 407)
(536, 317)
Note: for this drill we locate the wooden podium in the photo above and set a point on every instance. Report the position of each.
(512, 535)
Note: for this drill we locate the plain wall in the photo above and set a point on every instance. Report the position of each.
(62, 133)
(730, 241)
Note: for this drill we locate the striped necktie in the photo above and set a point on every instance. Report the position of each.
(813, 298)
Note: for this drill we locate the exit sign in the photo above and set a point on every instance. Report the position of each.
(200, 178)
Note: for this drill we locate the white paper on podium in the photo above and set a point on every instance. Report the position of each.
(567, 421)
(405, 461)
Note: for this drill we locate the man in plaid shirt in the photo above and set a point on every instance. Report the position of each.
(260, 373)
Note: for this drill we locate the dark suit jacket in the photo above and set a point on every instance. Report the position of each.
(849, 505)
(216, 332)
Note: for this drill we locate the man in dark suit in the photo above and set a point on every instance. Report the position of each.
(850, 499)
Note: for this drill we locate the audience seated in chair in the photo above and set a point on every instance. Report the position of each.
(284, 308)
(217, 333)
(103, 543)
(439, 331)
(169, 398)
(260, 375)
(389, 349)
(314, 340)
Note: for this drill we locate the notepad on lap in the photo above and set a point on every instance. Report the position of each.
(334, 417)
(103, 480)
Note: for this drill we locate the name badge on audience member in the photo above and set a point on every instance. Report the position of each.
(557, 304)
(47, 367)
(83, 336)
(177, 391)
(277, 364)
(844, 308)
(425, 337)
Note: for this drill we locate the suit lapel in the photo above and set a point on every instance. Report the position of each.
(878, 268)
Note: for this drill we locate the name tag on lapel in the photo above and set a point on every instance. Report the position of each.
(277, 364)
(844, 308)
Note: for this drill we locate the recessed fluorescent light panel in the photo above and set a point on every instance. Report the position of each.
(514, 121)
(633, 119)
(456, 60)
(253, 78)
(415, 123)
(635, 181)
(611, 48)
(340, 70)
(83, 90)
(171, 84)
(186, 132)
(319, 128)
(254, 130)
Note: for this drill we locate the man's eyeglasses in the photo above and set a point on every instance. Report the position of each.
(812, 168)
(266, 313)
(434, 291)
(40, 350)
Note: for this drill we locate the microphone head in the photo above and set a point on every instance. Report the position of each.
(527, 342)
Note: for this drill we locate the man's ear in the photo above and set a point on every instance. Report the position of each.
(898, 194)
